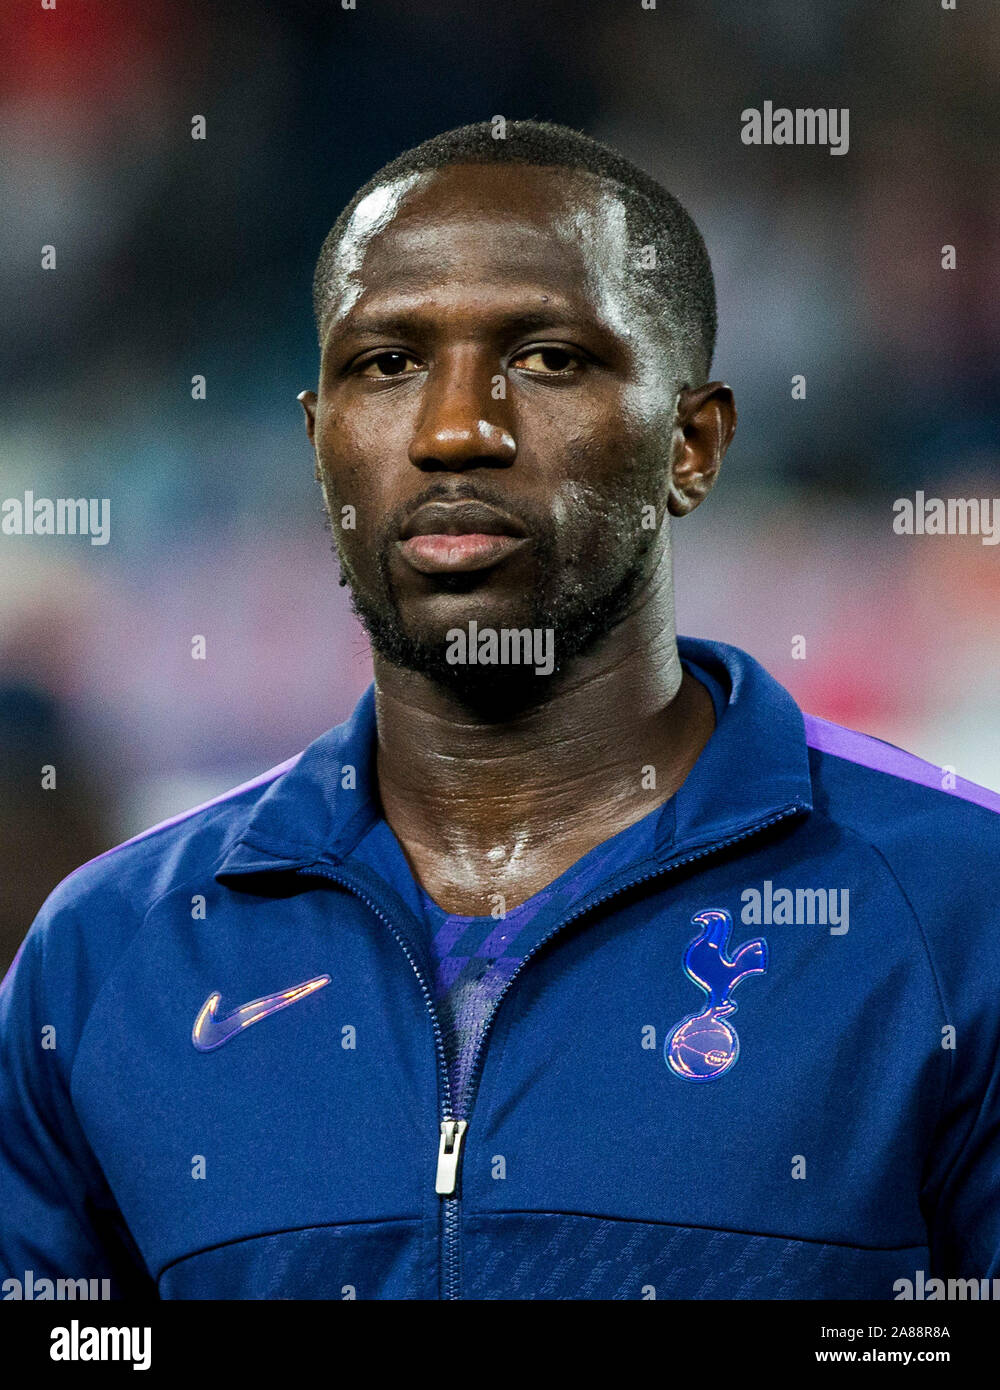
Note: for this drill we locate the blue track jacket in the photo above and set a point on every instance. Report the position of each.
(758, 1061)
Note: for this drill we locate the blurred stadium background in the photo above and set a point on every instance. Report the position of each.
(178, 257)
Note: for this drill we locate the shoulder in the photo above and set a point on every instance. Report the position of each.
(156, 860)
(866, 781)
(90, 918)
(938, 834)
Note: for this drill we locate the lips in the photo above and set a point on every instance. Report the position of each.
(459, 537)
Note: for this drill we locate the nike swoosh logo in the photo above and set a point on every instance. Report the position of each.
(210, 1031)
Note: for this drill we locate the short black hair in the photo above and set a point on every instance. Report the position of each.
(678, 287)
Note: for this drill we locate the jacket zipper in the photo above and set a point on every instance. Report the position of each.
(452, 1128)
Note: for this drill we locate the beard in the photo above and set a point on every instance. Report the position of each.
(585, 580)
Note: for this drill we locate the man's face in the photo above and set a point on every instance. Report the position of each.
(496, 410)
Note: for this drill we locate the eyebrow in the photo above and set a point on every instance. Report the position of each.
(405, 321)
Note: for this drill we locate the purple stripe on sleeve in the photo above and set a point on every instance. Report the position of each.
(883, 757)
(270, 776)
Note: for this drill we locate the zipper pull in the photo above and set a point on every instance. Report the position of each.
(449, 1153)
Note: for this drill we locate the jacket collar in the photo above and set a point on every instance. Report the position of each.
(755, 766)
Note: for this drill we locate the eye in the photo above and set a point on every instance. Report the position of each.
(548, 361)
(389, 364)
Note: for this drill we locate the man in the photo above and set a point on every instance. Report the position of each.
(446, 1007)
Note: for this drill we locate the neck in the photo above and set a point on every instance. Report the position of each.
(482, 805)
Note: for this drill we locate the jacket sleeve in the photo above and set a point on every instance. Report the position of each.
(964, 1218)
(944, 852)
(58, 1218)
(955, 889)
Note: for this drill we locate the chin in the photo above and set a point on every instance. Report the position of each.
(430, 621)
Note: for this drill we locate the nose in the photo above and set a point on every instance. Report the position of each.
(461, 425)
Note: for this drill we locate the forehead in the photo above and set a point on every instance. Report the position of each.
(499, 226)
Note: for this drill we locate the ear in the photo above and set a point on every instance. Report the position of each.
(307, 400)
(703, 427)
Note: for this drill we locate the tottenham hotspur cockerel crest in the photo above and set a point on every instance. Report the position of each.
(704, 1045)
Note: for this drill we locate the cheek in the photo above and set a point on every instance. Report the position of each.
(607, 436)
(587, 524)
(348, 478)
(576, 507)
(601, 469)
(606, 480)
